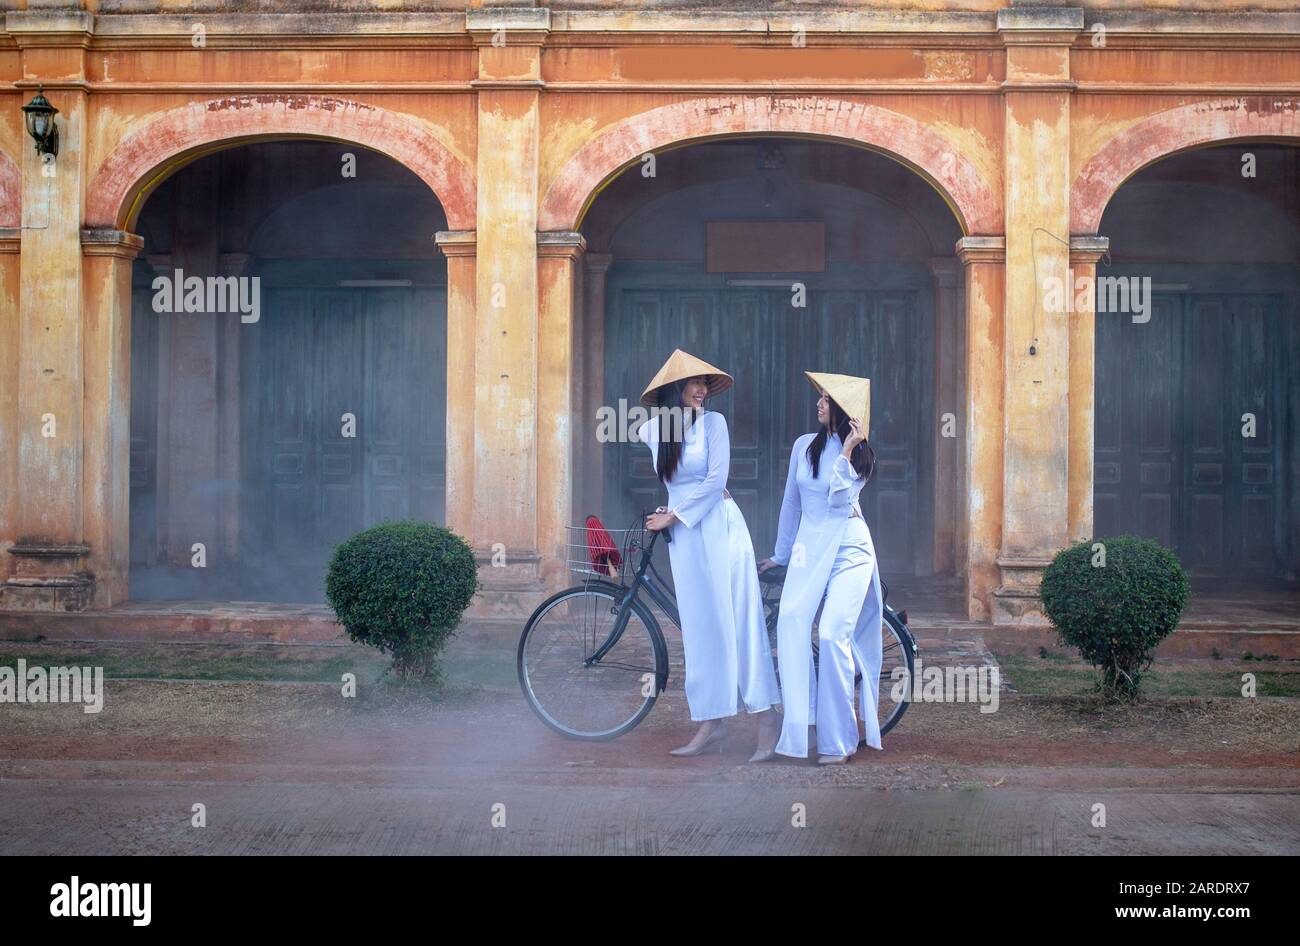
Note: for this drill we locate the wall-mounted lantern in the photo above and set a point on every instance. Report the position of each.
(40, 124)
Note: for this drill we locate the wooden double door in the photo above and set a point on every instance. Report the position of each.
(1191, 429)
(344, 426)
(341, 405)
(757, 336)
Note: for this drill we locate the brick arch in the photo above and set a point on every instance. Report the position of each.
(160, 146)
(1168, 132)
(973, 199)
(11, 192)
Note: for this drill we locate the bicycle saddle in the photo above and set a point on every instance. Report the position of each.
(776, 576)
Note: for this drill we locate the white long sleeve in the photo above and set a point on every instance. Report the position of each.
(845, 484)
(791, 510)
(709, 490)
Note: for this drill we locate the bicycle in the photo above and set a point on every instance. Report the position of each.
(592, 659)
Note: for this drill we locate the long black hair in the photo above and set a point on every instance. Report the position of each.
(863, 458)
(672, 432)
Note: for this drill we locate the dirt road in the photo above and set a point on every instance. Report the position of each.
(295, 768)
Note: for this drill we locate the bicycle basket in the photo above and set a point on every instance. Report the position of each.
(596, 552)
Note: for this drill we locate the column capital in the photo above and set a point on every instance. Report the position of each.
(508, 26)
(1039, 25)
(234, 264)
(50, 28)
(457, 242)
(565, 244)
(1088, 248)
(105, 242)
(598, 263)
(944, 271)
(981, 249)
(1037, 41)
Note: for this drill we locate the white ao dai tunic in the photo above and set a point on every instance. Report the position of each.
(724, 636)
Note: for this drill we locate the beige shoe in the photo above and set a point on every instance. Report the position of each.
(711, 733)
(832, 759)
(769, 731)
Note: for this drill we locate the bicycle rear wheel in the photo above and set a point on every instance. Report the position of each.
(567, 688)
(898, 654)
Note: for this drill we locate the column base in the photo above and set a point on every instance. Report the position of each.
(510, 585)
(1016, 600)
(46, 578)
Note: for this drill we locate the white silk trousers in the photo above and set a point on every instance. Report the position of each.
(848, 644)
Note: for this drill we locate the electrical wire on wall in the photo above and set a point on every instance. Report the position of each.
(1033, 251)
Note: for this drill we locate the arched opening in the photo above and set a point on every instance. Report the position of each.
(1197, 393)
(769, 255)
(269, 431)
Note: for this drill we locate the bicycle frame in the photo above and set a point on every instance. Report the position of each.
(623, 609)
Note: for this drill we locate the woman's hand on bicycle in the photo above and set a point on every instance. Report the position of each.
(660, 519)
(765, 564)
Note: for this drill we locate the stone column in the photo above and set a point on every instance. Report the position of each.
(1085, 251)
(49, 569)
(558, 420)
(190, 407)
(983, 258)
(9, 418)
(504, 527)
(106, 492)
(1036, 177)
(229, 414)
(459, 247)
(948, 383)
(591, 349)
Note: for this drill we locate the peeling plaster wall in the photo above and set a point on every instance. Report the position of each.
(1014, 113)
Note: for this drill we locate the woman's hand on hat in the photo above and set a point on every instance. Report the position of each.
(856, 436)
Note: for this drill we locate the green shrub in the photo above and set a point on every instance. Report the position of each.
(1115, 613)
(402, 587)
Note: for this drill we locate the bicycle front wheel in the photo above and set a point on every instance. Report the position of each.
(571, 690)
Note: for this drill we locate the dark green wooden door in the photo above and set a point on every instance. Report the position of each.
(1173, 461)
(766, 345)
(310, 481)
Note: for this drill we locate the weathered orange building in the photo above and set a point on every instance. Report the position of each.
(472, 229)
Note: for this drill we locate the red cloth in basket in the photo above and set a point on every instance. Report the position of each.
(605, 556)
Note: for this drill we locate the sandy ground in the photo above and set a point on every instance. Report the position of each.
(296, 768)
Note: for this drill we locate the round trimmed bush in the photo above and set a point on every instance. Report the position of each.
(402, 587)
(1115, 600)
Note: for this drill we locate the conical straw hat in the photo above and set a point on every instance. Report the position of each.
(681, 365)
(853, 395)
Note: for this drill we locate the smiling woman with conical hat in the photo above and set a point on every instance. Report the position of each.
(724, 633)
(680, 366)
(824, 540)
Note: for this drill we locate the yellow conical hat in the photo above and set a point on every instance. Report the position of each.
(853, 395)
(681, 365)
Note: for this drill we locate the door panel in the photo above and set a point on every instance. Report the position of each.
(1170, 459)
(318, 355)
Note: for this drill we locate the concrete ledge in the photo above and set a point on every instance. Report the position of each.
(184, 623)
(499, 622)
(221, 623)
(1025, 641)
